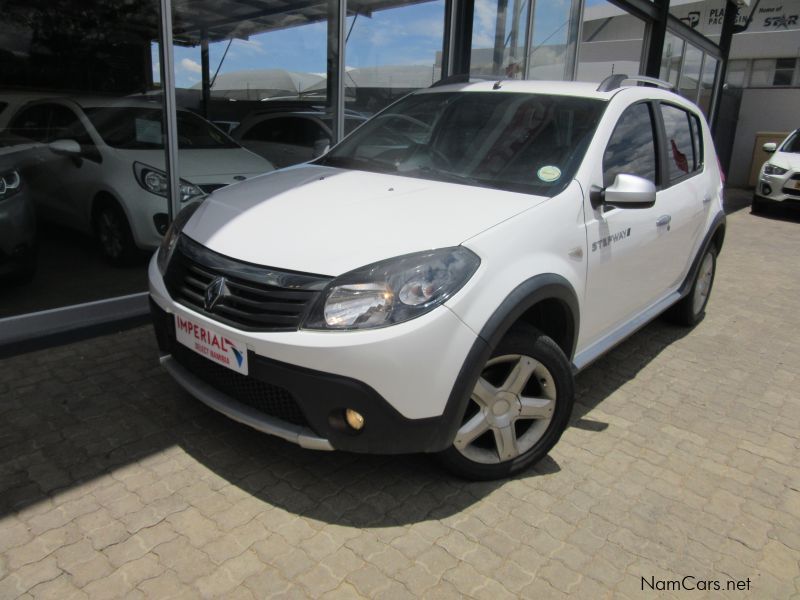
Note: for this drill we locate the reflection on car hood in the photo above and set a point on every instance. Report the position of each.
(329, 221)
(198, 165)
(787, 160)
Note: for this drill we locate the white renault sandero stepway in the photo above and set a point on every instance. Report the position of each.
(434, 282)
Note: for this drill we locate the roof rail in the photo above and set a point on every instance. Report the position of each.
(462, 78)
(612, 82)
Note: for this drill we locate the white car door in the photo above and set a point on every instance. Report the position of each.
(627, 247)
(686, 194)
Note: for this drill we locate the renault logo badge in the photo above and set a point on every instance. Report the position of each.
(215, 292)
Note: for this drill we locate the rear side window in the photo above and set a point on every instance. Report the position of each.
(632, 147)
(684, 147)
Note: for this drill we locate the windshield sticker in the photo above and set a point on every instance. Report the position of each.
(548, 173)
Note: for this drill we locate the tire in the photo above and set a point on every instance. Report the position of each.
(758, 206)
(114, 235)
(491, 444)
(690, 310)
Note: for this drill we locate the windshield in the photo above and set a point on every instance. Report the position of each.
(530, 143)
(135, 128)
(792, 144)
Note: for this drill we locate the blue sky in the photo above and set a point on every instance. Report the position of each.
(405, 35)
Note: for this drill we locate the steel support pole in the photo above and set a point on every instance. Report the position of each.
(206, 71)
(337, 35)
(167, 60)
(725, 40)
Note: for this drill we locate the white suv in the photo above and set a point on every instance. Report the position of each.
(779, 179)
(435, 281)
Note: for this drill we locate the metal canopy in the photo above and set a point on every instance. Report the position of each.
(225, 19)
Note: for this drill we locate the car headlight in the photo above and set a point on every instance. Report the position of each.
(170, 240)
(155, 181)
(770, 169)
(392, 291)
(10, 184)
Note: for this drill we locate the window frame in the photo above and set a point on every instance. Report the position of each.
(656, 142)
(668, 183)
(14, 128)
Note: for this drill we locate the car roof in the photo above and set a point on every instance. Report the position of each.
(101, 102)
(557, 88)
(576, 89)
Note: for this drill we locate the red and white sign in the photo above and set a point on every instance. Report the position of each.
(212, 344)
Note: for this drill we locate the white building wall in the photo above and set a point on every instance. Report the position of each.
(762, 109)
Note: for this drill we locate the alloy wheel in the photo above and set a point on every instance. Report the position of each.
(111, 233)
(510, 409)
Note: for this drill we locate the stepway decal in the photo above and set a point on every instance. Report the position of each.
(610, 239)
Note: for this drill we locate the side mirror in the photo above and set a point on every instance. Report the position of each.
(627, 191)
(770, 147)
(321, 146)
(65, 147)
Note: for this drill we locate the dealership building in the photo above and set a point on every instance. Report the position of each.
(129, 90)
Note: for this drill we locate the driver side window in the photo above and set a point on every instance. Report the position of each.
(632, 147)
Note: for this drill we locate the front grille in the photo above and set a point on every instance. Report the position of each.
(266, 398)
(791, 191)
(255, 298)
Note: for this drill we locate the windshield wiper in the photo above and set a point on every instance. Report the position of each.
(439, 175)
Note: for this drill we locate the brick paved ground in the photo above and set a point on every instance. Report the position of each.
(682, 459)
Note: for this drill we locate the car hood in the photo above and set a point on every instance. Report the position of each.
(329, 221)
(205, 166)
(786, 160)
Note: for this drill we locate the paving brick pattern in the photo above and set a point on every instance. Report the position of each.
(682, 459)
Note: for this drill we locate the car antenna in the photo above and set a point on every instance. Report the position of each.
(497, 84)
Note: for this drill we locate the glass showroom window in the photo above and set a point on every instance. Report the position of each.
(388, 53)
(251, 89)
(671, 58)
(690, 72)
(707, 76)
(498, 38)
(77, 223)
(611, 42)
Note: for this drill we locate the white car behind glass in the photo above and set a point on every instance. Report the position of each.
(101, 167)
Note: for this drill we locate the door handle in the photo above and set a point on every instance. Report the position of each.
(663, 220)
(707, 199)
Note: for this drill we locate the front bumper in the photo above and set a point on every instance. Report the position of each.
(778, 188)
(400, 383)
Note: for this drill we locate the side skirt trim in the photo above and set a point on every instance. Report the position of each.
(584, 358)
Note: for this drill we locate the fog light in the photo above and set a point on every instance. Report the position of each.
(354, 419)
(766, 190)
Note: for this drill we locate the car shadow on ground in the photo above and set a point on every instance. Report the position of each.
(380, 491)
(788, 213)
(76, 413)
